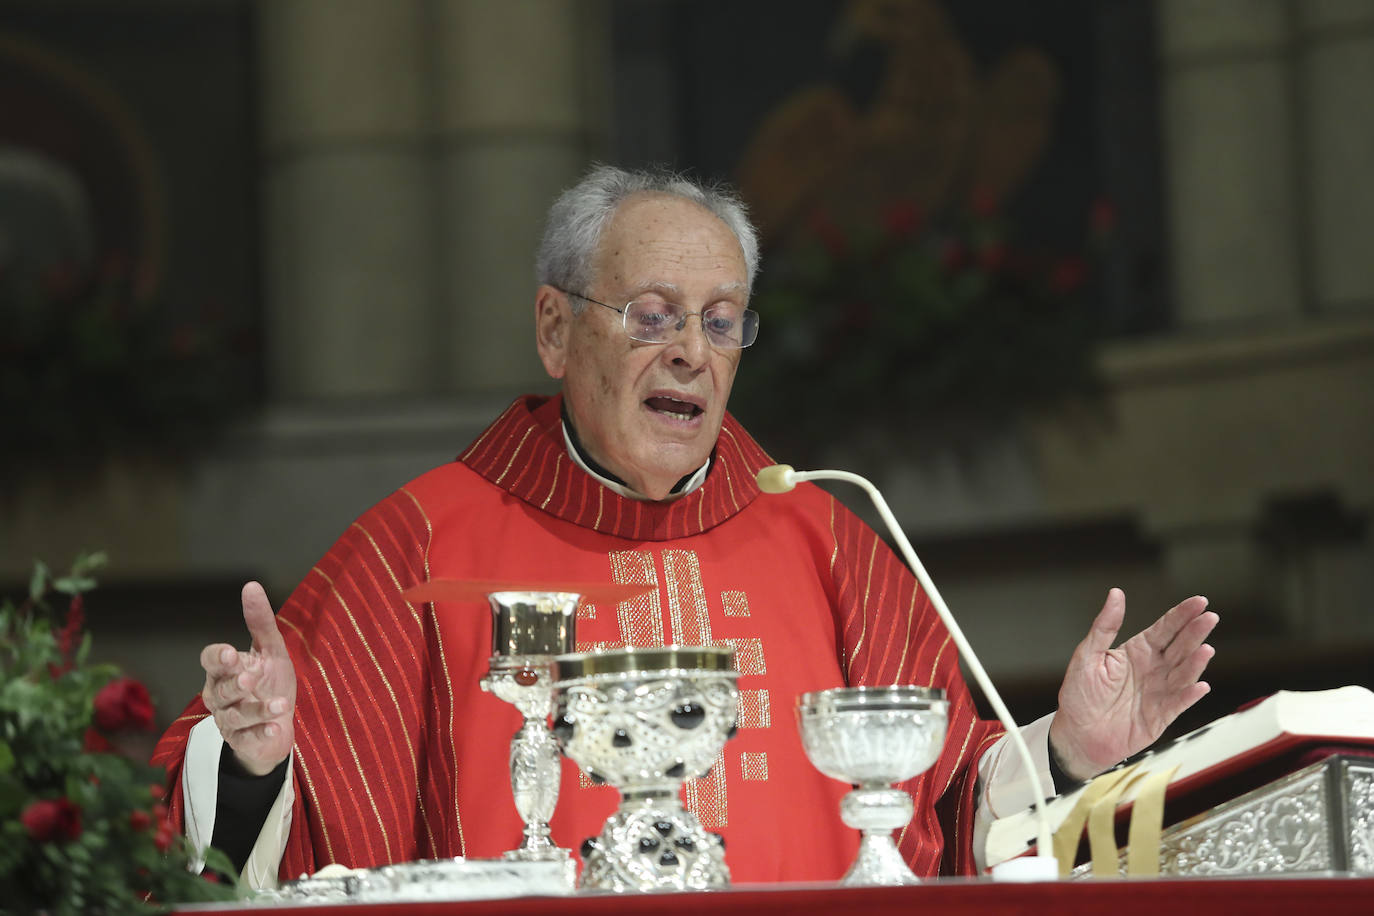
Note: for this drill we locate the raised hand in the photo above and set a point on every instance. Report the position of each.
(252, 694)
(1115, 702)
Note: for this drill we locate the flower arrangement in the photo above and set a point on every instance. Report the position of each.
(83, 828)
(90, 365)
(917, 332)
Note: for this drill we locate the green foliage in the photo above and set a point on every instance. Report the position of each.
(914, 334)
(83, 828)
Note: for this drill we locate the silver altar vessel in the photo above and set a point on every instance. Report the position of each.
(872, 737)
(528, 629)
(645, 720)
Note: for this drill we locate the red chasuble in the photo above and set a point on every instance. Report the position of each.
(400, 755)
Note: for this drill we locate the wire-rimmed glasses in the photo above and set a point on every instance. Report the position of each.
(652, 319)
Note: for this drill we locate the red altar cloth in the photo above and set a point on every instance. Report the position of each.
(950, 897)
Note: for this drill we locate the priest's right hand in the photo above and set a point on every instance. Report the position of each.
(252, 694)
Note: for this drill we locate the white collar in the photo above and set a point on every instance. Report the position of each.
(695, 481)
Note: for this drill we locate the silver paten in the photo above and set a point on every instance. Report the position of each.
(645, 720)
(432, 880)
(873, 737)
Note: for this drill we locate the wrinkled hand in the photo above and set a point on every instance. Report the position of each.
(252, 695)
(1115, 702)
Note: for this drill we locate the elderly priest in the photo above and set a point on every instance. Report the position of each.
(354, 730)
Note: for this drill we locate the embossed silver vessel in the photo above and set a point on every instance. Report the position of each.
(528, 629)
(873, 737)
(644, 720)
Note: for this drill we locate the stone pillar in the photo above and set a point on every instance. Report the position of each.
(1230, 161)
(349, 264)
(1337, 74)
(522, 90)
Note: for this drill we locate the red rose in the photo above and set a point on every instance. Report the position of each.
(993, 257)
(93, 742)
(983, 202)
(157, 790)
(140, 820)
(1102, 216)
(1068, 275)
(123, 705)
(163, 839)
(50, 819)
(902, 218)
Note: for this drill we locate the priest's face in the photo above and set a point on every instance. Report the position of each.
(649, 413)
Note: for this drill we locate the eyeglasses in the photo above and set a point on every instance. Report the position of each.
(653, 319)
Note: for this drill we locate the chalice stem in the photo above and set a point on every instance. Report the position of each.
(535, 771)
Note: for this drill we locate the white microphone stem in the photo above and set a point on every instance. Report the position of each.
(1044, 843)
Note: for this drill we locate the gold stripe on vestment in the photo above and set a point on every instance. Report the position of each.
(348, 740)
(705, 796)
(641, 617)
(754, 766)
(513, 454)
(736, 603)
(557, 465)
(749, 660)
(862, 608)
(687, 608)
(755, 709)
(324, 827)
(449, 744)
(396, 704)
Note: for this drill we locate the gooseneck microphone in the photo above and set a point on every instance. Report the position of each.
(780, 478)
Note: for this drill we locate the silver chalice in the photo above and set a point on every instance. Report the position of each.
(872, 737)
(528, 629)
(644, 720)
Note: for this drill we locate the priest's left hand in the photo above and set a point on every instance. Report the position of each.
(1116, 702)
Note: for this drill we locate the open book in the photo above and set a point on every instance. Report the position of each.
(1231, 745)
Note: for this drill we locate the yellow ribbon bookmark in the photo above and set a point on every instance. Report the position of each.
(1102, 829)
(1147, 824)
(1067, 837)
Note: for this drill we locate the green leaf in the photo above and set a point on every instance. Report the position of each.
(73, 585)
(87, 562)
(6, 758)
(38, 584)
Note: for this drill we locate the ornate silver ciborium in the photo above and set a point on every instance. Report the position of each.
(528, 629)
(644, 720)
(872, 737)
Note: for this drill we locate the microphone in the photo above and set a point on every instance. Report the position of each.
(780, 478)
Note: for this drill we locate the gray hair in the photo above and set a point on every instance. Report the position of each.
(581, 214)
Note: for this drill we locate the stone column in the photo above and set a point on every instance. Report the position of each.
(522, 89)
(1229, 159)
(349, 264)
(1337, 74)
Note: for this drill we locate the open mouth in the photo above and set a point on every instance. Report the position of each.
(673, 408)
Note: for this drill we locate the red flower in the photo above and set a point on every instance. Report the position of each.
(163, 838)
(70, 634)
(983, 202)
(953, 256)
(123, 705)
(1068, 275)
(157, 790)
(1102, 216)
(902, 218)
(993, 257)
(140, 820)
(93, 742)
(49, 820)
(831, 236)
